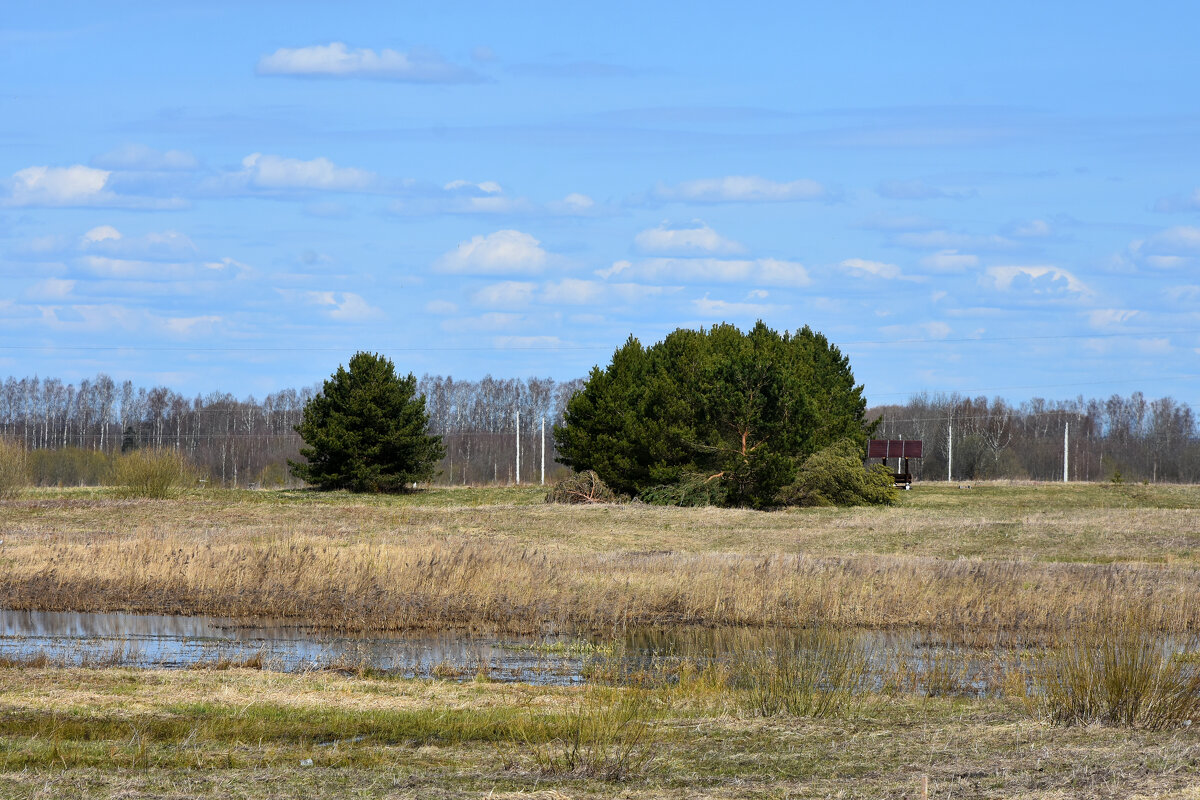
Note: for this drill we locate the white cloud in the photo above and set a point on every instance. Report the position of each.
(507, 294)
(491, 321)
(441, 307)
(336, 60)
(763, 271)
(487, 187)
(577, 292)
(1109, 317)
(126, 269)
(862, 268)
(1033, 229)
(948, 240)
(345, 306)
(578, 201)
(1153, 347)
(950, 261)
(275, 172)
(505, 251)
(59, 186)
(714, 308)
(155, 246)
(184, 326)
(1042, 280)
(140, 158)
(225, 264)
(74, 186)
(936, 329)
(1178, 241)
(1179, 203)
(1184, 294)
(696, 239)
(51, 289)
(917, 189)
(741, 189)
(101, 233)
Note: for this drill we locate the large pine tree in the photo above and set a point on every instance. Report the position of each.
(367, 431)
(735, 412)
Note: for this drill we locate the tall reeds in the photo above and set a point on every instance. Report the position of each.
(343, 581)
(818, 673)
(1122, 673)
(14, 469)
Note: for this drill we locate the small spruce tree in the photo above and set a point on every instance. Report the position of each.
(367, 431)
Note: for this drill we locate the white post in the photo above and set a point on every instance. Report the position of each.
(1066, 434)
(950, 455)
(543, 451)
(518, 447)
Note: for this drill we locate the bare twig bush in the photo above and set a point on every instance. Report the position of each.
(820, 673)
(14, 469)
(1123, 674)
(609, 734)
(583, 487)
(155, 474)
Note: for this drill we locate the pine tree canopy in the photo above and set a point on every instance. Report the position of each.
(735, 412)
(367, 431)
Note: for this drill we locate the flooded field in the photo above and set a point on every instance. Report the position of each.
(923, 662)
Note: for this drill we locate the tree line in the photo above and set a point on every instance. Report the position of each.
(1119, 438)
(239, 442)
(71, 429)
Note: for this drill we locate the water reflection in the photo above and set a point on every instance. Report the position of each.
(905, 661)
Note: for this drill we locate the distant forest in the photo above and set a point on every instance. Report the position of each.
(72, 430)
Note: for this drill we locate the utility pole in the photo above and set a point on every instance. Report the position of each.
(950, 454)
(518, 447)
(543, 451)
(1066, 436)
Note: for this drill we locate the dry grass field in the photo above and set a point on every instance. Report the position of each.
(1031, 558)
(247, 734)
(1035, 563)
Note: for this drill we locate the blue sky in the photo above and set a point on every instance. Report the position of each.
(237, 196)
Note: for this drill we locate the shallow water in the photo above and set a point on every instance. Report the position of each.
(166, 641)
(148, 640)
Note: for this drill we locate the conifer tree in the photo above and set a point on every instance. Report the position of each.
(727, 413)
(367, 431)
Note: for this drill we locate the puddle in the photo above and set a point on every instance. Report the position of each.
(147, 640)
(926, 662)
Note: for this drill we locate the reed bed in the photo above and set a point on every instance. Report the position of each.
(426, 582)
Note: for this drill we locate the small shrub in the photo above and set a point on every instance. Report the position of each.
(154, 474)
(1120, 674)
(70, 466)
(14, 469)
(582, 487)
(818, 675)
(835, 476)
(609, 734)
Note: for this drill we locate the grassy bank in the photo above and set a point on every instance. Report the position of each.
(1020, 557)
(246, 733)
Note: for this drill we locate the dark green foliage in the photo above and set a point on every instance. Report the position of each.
(689, 490)
(834, 476)
(367, 431)
(736, 409)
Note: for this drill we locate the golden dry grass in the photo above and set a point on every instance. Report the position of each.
(1021, 557)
